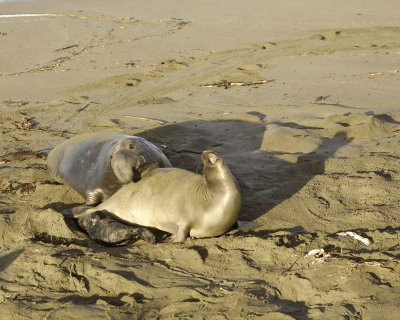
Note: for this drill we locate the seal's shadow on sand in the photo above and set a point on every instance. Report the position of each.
(265, 180)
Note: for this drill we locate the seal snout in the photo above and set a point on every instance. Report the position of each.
(209, 157)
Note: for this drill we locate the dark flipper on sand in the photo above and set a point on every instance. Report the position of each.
(104, 228)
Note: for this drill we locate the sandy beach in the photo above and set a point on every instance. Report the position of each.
(312, 135)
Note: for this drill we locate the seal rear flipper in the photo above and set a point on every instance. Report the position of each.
(104, 228)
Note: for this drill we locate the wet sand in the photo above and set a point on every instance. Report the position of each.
(315, 150)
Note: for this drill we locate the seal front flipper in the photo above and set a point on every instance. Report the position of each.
(104, 228)
(95, 196)
(181, 234)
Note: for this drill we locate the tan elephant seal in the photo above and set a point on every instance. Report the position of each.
(175, 201)
(98, 164)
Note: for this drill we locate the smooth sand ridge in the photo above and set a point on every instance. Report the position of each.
(315, 149)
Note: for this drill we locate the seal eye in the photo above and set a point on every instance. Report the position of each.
(131, 146)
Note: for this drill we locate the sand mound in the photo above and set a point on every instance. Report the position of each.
(36, 225)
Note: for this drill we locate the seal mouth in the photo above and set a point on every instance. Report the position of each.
(140, 162)
(137, 169)
(209, 157)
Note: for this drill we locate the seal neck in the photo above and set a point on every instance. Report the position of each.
(219, 178)
(225, 198)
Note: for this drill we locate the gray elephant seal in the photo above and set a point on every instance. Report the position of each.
(98, 164)
(177, 201)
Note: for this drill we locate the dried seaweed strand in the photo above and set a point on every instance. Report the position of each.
(227, 84)
(147, 119)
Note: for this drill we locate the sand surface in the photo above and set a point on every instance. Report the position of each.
(315, 150)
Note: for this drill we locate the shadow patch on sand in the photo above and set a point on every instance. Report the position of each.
(114, 301)
(255, 169)
(7, 258)
(297, 309)
(383, 117)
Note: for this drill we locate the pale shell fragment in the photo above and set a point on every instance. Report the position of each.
(316, 252)
(355, 236)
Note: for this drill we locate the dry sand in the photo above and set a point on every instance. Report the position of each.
(315, 149)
